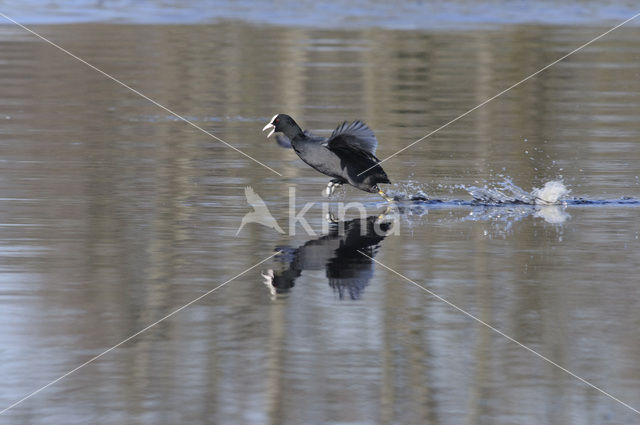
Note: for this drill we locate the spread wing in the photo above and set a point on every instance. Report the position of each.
(355, 134)
(350, 154)
(355, 144)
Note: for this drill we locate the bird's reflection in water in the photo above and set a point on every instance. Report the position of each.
(338, 252)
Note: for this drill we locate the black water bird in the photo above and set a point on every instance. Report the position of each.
(338, 253)
(348, 155)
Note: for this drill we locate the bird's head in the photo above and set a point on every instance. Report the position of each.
(282, 123)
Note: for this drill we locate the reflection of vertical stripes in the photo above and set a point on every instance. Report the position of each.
(466, 313)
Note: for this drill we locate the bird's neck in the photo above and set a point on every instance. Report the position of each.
(293, 131)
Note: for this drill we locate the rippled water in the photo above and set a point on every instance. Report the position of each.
(343, 14)
(114, 214)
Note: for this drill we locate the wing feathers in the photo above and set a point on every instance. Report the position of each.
(356, 134)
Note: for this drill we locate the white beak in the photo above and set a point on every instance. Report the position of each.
(272, 127)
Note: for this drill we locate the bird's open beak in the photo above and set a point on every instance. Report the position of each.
(269, 126)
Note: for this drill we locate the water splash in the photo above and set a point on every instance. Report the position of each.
(509, 214)
(553, 214)
(501, 194)
(506, 192)
(551, 193)
(502, 202)
(408, 191)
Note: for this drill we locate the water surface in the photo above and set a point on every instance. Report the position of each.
(114, 214)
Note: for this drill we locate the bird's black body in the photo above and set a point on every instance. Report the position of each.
(348, 155)
(339, 253)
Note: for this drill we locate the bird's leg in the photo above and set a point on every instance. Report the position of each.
(268, 281)
(331, 217)
(384, 195)
(331, 187)
(328, 190)
(387, 210)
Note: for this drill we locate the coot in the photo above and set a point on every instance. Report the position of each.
(345, 154)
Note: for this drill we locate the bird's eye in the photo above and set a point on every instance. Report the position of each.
(277, 120)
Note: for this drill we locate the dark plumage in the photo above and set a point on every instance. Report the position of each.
(348, 152)
(339, 253)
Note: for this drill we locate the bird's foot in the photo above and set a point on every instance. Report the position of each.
(268, 281)
(386, 211)
(331, 187)
(332, 218)
(386, 198)
(389, 214)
